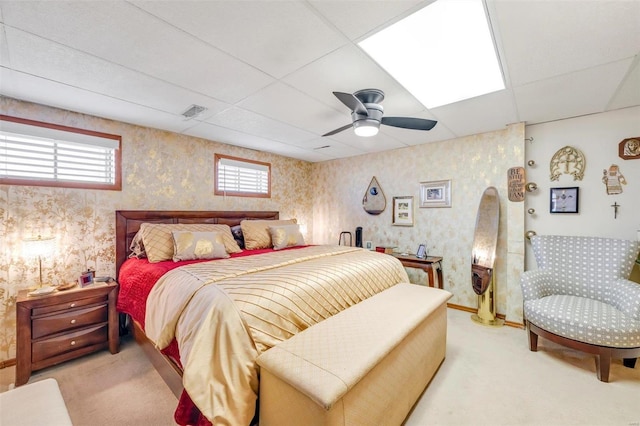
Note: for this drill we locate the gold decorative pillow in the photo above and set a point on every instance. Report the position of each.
(256, 232)
(188, 245)
(158, 241)
(286, 236)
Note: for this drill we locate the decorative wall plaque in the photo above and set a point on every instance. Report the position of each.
(515, 183)
(629, 149)
(567, 160)
(613, 179)
(374, 201)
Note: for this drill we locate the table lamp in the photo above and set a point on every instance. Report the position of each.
(39, 247)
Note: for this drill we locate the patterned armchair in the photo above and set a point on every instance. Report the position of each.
(579, 297)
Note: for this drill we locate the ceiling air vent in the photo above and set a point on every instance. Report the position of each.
(193, 111)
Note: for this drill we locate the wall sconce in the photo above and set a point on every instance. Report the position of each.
(531, 186)
(39, 248)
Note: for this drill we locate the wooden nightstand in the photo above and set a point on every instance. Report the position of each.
(64, 325)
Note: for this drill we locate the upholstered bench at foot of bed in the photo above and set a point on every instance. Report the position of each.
(365, 365)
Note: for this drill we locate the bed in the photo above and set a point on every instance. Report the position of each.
(211, 319)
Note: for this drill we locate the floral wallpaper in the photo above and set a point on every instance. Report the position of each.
(164, 170)
(161, 170)
(473, 164)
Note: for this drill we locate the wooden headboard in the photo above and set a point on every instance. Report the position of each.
(128, 223)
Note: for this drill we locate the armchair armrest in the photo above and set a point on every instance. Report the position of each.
(625, 296)
(539, 283)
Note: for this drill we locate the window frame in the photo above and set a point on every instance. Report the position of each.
(217, 191)
(115, 186)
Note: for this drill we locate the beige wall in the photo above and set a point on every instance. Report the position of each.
(597, 137)
(473, 164)
(161, 170)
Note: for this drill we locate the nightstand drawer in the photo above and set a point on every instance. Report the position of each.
(69, 305)
(69, 320)
(57, 345)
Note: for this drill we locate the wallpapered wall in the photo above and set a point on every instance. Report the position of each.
(161, 170)
(473, 164)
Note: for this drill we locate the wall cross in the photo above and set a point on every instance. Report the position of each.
(615, 209)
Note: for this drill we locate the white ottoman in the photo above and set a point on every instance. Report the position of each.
(35, 404)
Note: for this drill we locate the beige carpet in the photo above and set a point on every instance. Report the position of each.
(488, 378)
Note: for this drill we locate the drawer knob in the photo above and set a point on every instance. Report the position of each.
(73, 321)
(73, 342)
(73, 305)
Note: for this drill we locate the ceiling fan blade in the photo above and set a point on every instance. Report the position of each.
(409, 123)
(333, 132)
(352, 102)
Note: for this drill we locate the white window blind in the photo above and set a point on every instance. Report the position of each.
(242, 177)
(43, 155)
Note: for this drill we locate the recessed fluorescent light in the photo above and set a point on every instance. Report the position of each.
(442, 54)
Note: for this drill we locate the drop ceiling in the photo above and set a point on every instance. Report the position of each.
(265, 70)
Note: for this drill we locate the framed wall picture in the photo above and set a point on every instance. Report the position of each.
(403, 211)
(435, 193)
(564, 200)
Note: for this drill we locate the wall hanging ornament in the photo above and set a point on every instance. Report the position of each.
(629, 149)
(567, 160)
(613, 179)
(374, 201)
(516, 183)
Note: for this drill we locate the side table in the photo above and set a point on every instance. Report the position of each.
(64, 325)
(426, 264)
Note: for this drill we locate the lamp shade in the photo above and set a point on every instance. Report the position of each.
(38, 247)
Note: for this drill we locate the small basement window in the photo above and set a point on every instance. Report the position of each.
(242, 178)
(43, 154)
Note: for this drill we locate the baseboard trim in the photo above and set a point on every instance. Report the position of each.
(7, 363)
(474, 310)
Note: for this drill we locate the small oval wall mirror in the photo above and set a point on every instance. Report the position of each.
(374, 201)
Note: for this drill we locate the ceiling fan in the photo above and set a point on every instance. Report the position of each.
(367, 114)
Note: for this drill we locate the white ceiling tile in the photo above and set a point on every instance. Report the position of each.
(68, 66)
(257, 32)
(300, 153)
(481, 114)
(47, 92)
(123, 34)
(286, 104)
(628, 93)
(571, 95)
(349, 69)
(547, 38)
(4, 48)
(250, 122)
(333, 148)
(232, 137)
(357, 18)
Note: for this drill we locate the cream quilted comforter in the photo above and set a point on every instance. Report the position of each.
(226, 312)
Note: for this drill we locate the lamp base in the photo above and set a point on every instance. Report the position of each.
(497, 322)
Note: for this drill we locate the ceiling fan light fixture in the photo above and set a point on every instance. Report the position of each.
(366, 128)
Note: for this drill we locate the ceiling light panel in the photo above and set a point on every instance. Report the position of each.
(442, 54)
